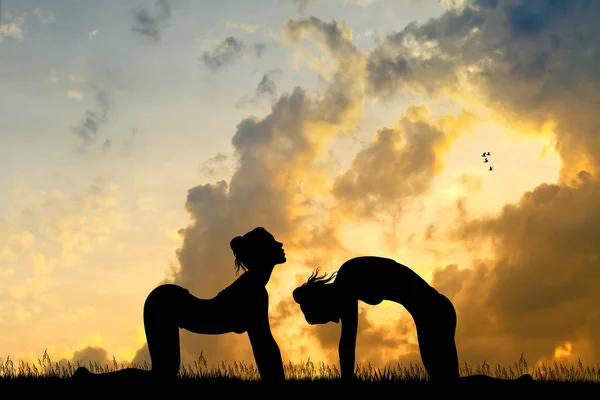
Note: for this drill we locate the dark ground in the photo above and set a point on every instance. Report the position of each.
(313, 389)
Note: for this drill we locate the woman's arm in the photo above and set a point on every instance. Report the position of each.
(266, 351)
(347, 346)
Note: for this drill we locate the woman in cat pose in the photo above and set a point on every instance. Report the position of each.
(242, 307)
(375, 279)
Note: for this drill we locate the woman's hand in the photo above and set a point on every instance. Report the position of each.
(347, 346)
(266, 351)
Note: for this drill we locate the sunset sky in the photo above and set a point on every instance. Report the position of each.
(138, 138)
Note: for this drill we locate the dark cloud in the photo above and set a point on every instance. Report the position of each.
(266, 89)
(93, 121)
(151, 24)
(259, 48)
(533, 62)
(424, 57)
(541, 287)
(224, 54)
(267, 85)
(229, 51)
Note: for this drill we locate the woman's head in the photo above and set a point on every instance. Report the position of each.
(257, 248)
(317, 299)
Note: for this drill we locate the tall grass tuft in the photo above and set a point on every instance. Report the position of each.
(306, 371)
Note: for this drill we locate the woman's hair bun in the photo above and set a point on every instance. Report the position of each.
(237, 244)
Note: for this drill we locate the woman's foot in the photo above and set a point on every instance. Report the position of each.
(525, 378)
(81, 373)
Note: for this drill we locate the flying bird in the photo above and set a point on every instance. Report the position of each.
(491, 168)
(488, 153)
(483, 155)
(486, 160)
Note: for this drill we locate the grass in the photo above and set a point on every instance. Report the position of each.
(303, 375)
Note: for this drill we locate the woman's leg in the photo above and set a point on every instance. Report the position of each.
(162, 311)
(435, 332)
(439, 355)
(438, 349)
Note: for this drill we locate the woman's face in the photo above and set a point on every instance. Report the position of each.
(320, 309)
(270, 249)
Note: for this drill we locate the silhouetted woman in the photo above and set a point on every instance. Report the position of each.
(241, 307)
(372, 280)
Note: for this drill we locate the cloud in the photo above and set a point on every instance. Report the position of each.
(96, 119)
(151, 25)
(224, 54)
(468, 44)
(71, 227)
(259, 48)
(228, 51)
(75, 95)
(93, 121)
(58, 232)
(13, 30)
(398, 166)
(423, 58)
(92, 357)
(538, 286)
(523, 59)
(14, 241)
(126, 145)
(532, 287)
(274, 155)
(91, 354)
(267, 85)
(266, 88)
(212, 165)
